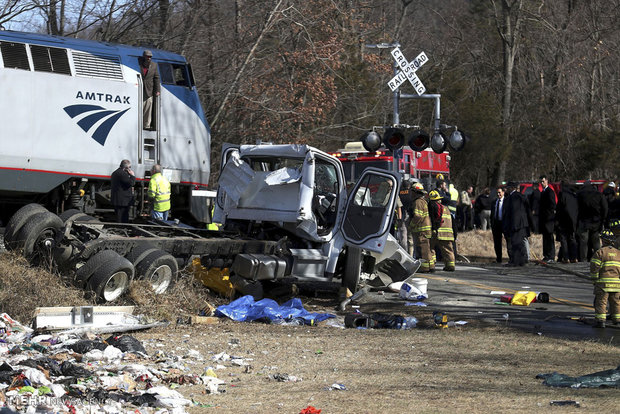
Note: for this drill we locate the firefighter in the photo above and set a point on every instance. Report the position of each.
(442, 234)
(605, 274)
(420, 228)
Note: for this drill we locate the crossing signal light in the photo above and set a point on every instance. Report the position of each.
(457, 140)
(439, 142)
(393, 139)
(419, 140)
(371, 141)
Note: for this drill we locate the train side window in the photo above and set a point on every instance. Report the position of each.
(180, 75)
(50, 59)
(174, 74)
(165, 73)
(14, 55)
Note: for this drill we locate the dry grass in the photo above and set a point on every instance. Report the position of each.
(24, 288)
(478, 244)
(385, 371)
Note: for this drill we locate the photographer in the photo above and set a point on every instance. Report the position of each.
(122, 196)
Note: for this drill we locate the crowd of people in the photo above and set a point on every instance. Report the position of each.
(572, 214)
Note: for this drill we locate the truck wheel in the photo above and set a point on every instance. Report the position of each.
(352, 268)
(159, 269)
(16, 223)
(85, 272)
(75, 215)
(139, 253)
(111, 279)
(38, 237)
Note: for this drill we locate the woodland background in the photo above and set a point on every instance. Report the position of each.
(535, 83)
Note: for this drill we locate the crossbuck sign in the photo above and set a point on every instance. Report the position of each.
(408, 70)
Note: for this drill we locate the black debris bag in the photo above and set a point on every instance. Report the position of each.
(46, 363)
(86, 345)
(126, 343)
(71, 370)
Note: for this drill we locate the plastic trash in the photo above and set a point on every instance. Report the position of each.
(338, 387)
(310, 410)
(84, 346)
(71, 370)
(169, 398)
(126, 343)
(608, 378)
(379, 321)
(414, 288)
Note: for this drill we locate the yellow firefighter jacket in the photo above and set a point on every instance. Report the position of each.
(605, 269)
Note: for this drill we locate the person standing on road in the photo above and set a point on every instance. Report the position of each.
(483, 207)
(121, 195)
(516, 222)
(465, 209)
(546, 216)
(406, 210)
(159, 193)
(566, 219)
(420, 228)
(534, 202)
(592, 214)
(498, 228)
(605, 274)
(442, 234)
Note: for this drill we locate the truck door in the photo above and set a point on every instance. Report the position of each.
(370, 208)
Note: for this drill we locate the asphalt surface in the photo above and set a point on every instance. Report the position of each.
(472, 292)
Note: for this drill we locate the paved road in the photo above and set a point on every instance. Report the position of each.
(466, 295)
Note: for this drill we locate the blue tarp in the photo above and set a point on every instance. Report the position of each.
(246, 309)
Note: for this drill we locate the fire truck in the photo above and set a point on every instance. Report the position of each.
(422, 165)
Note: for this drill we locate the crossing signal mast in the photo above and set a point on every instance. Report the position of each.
(394, 135)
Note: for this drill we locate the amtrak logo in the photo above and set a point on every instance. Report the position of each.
(95, 114)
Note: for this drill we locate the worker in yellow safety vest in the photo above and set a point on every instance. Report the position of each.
(605, 274)
(213, 225)
(420, 228)
(442, 233)
(159, 193)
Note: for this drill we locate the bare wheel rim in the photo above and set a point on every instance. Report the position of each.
(42, 252)
(161, 278)
(115, 286)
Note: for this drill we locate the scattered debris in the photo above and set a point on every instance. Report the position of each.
(292, 311)
(337, 387)
(602, 379)
(565, 402)
(379, 321)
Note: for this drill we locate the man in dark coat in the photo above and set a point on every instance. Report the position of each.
(566, 219)
(546, 219)
(122, 197)
(497, 226)
(534, 201)
(150, 86)
(516, 222)
(592, 214)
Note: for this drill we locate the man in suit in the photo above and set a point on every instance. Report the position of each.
(497, 227)
(592, 208)
(122, 198)
(546, 217)
(516, 222)
(150, 86)
(566, 215)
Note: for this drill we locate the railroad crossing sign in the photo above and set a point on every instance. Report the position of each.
(408, 70)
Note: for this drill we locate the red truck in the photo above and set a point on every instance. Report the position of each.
(411, 164)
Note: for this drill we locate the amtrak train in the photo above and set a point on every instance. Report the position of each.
(71, 110)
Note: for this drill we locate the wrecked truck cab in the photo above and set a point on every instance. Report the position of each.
(301, 191)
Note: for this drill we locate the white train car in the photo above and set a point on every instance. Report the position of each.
(71, 110)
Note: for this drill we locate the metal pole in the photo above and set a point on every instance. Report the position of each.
(436, 97)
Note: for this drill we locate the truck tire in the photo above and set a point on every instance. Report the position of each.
(159, 269)
(85, 272)
(139, 253)
(38, 237)
(111, 279)
(352, 268)
(75, 215)
(16, 223)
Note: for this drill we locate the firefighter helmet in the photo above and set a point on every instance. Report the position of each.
(434, 195)
(418, 187)
(439, 176)
(608, 238)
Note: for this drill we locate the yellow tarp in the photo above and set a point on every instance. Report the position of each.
(215, 278)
